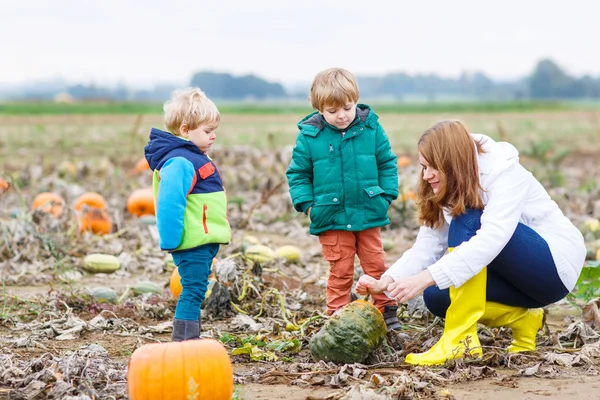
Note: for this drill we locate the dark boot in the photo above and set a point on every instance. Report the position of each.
(390, 315)
(185, 330)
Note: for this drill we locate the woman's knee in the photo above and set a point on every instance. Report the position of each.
(437, 301)
(464, 227)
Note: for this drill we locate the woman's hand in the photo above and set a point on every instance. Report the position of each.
(367, 284)
(408, 288)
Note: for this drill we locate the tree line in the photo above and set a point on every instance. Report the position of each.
(547, 81)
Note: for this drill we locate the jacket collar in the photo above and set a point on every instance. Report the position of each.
(315, 122)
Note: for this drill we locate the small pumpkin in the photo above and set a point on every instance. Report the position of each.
(288, 253)
(403, 161)
(90, 199)
(388, 244)
(146, 287)
(249, 240)
(350, 334)
(175, 281)
(141, 202)
(104, 294)
(259, 252)
(408, 195)
(168, 262)
(192, 369)
(591, 225)
(4, 186)
(101, 263)
(49, 202)
(95, 220)
(147, 220)
(140, 166)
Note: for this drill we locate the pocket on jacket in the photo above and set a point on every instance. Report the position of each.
(332, 251)
(376, 205)
(324, 209)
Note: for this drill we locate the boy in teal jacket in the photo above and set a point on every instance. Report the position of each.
(190, 201)
(344, 176)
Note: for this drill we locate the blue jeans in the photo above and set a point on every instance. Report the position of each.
(522, 275)
(194, 267)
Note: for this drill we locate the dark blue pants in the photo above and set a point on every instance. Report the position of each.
(194, 268)
(522, 275)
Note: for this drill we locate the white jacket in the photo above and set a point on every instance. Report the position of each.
(511, 195)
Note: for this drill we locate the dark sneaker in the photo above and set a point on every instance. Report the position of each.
(390, 315)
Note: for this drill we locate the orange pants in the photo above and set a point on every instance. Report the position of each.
(339, 248)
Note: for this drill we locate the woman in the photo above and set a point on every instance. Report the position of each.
(511, 250)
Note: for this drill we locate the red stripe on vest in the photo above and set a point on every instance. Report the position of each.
(193, 184)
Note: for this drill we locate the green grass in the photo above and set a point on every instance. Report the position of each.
(300, 108)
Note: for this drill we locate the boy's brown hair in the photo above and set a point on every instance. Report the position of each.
(333, 87)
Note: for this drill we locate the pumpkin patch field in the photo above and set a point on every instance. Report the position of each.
(88, 297)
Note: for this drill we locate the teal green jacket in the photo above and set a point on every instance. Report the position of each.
(349, 180)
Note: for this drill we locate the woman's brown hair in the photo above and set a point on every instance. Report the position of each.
(449, 148)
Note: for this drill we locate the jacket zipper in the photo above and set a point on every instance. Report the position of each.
(204, 219)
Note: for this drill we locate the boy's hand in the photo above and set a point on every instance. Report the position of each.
(367, 284)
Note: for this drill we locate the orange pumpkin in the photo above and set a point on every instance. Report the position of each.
(175, 281)
(140, 166)
(4, 186)
(141, 202)
(403, 161)
(95, 220)
(91, 199)
(192, 369)
(49, 202)
(410, 195)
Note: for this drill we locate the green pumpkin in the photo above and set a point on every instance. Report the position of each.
(146, 287)
(101, 263)
(350, 334)
(104, 294)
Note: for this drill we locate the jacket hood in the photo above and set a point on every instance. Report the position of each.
(161, 143)
(497, 158)
(315, 122)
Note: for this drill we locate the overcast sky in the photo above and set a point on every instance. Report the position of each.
(151, 41)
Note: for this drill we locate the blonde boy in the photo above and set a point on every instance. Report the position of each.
(190, 199)
(344, 176)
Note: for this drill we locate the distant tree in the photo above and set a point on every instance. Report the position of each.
(549, 81)
(476, 84)
(226, 86)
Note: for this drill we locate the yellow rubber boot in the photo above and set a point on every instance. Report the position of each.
(524, 323)
(467, 304)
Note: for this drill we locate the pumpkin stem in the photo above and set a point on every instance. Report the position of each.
(124, 295)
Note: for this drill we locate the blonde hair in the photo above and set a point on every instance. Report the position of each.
(190, 107)
(333, 87)
(449, 148)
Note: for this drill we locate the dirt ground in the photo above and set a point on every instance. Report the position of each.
(577, 387)
(32, 268)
